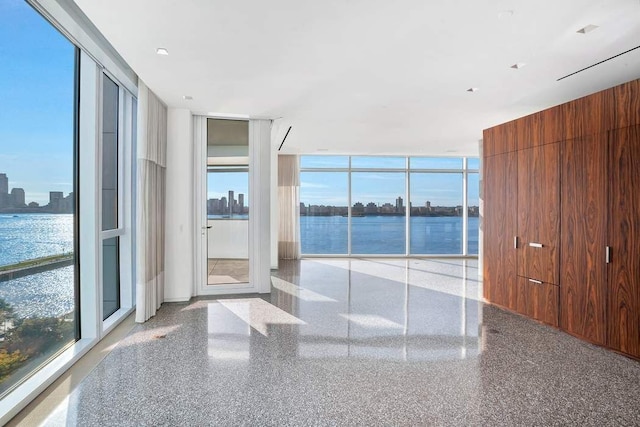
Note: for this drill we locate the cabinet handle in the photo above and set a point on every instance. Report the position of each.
(537, 282)
(535, 245)
(607, 254)
(515, 242)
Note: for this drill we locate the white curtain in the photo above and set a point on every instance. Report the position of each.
(151, 163)
(289, 200)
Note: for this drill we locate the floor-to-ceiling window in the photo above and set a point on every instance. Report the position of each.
(324, 204)
(67, 138)
(378, 187)
(375, 205)
(38, 182)
(111, 224)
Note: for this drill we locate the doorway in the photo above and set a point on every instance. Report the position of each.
(227, 202)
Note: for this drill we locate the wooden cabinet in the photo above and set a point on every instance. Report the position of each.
(624, 240)
(539, 213)
(570, 190)
(499, 228)
(584, 228)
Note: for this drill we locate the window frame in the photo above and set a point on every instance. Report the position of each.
(407, 170)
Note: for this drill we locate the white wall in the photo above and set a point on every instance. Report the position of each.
(275, 203)
(228, 238)
(179, 243)
(260, 195)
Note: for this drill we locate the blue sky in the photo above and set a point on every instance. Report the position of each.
(36, 103)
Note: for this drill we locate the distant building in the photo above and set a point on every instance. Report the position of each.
(223, 206)
(371, 208)
(240, 203)
(56, 201)
(17, 198)
(358, 208)
(4, 183)
(399, 205)
(232, 201)
(69, 203)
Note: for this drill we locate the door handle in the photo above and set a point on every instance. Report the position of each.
(537, 282)
(607, 254)
(535, 245)
(207, 227)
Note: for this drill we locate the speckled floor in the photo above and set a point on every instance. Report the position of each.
(354, 343)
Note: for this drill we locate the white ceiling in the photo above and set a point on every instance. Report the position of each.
(373, 76)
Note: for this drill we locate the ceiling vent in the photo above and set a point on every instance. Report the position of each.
(598, 63)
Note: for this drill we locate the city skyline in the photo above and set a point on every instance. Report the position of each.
(37, 82)
(15, 201)
(394, 207)
(227, 205)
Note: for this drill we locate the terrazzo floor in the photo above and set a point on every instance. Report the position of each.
(354, 343)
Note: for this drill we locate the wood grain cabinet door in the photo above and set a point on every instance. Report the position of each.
(624, 239)
(539, 212)
(499, 187)
(583, 163)
(538, 300)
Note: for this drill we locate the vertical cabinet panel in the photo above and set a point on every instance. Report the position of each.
(552, 125)
(528, 131)
(624, 238)
(499, 183)
(584, 226)
(539, 212)
(626, 104)
(499, 139)
(589, 115)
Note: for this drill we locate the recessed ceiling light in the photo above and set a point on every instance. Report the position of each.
(587, 29)
(162, 51)
(473, 89)
(187, 97)
(452, 151)
(505, 14)
(323, 149)
(518, 65)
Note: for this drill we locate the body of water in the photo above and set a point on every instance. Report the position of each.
(386, 235)
(51, 293)
(28, 236)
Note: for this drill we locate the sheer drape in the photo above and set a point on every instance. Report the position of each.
(151, 164)
(289, 201)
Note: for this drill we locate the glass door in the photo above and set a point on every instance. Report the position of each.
(227, 203)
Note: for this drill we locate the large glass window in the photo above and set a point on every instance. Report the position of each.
(384, 217)
(378, 213)
(436, 213)
(324, 212)
(110, 195)
(110, 95)
(38, 288)
(473, 207)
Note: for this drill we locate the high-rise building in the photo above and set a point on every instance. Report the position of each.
(56, 201)
(223, 206)
(4, 183)
(399, 204)
(231, 201)
(240, 203)
(17, 198)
